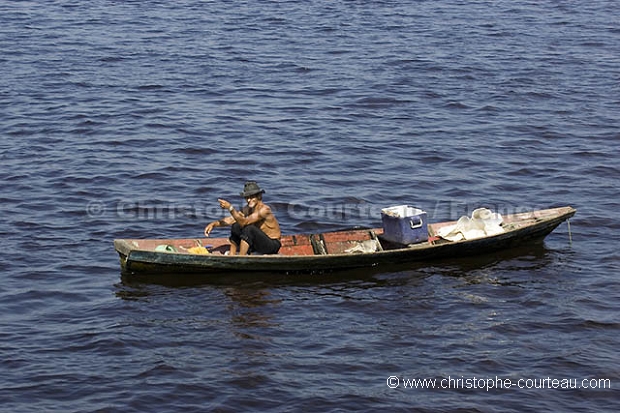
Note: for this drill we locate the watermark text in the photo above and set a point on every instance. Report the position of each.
(496, 383)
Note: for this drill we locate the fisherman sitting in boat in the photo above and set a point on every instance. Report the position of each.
(254, 228)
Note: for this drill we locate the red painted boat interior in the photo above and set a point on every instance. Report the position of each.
(338, 242)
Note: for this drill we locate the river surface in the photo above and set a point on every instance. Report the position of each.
(128, 119)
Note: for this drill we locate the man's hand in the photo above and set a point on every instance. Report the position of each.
(224, 204)
(209, 228)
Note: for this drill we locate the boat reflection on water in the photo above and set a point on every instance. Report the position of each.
(531, 257)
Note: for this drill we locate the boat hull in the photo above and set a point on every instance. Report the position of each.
(520, 229)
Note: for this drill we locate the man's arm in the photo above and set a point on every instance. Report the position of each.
(224, 222)
(261, 214)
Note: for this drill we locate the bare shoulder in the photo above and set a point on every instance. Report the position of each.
(265, 210)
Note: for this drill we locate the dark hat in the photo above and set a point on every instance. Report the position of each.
(251, 188)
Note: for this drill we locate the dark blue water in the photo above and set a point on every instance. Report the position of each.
(129, 119)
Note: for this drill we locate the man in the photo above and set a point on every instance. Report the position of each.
(255, 228)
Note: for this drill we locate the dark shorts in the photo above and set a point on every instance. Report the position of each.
(257, 239)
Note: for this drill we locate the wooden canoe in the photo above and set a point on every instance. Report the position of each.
(330, 251)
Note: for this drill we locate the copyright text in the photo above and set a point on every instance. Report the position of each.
(496, 383)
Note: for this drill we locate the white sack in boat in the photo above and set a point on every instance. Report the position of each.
(371, 245)
(483, 222)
